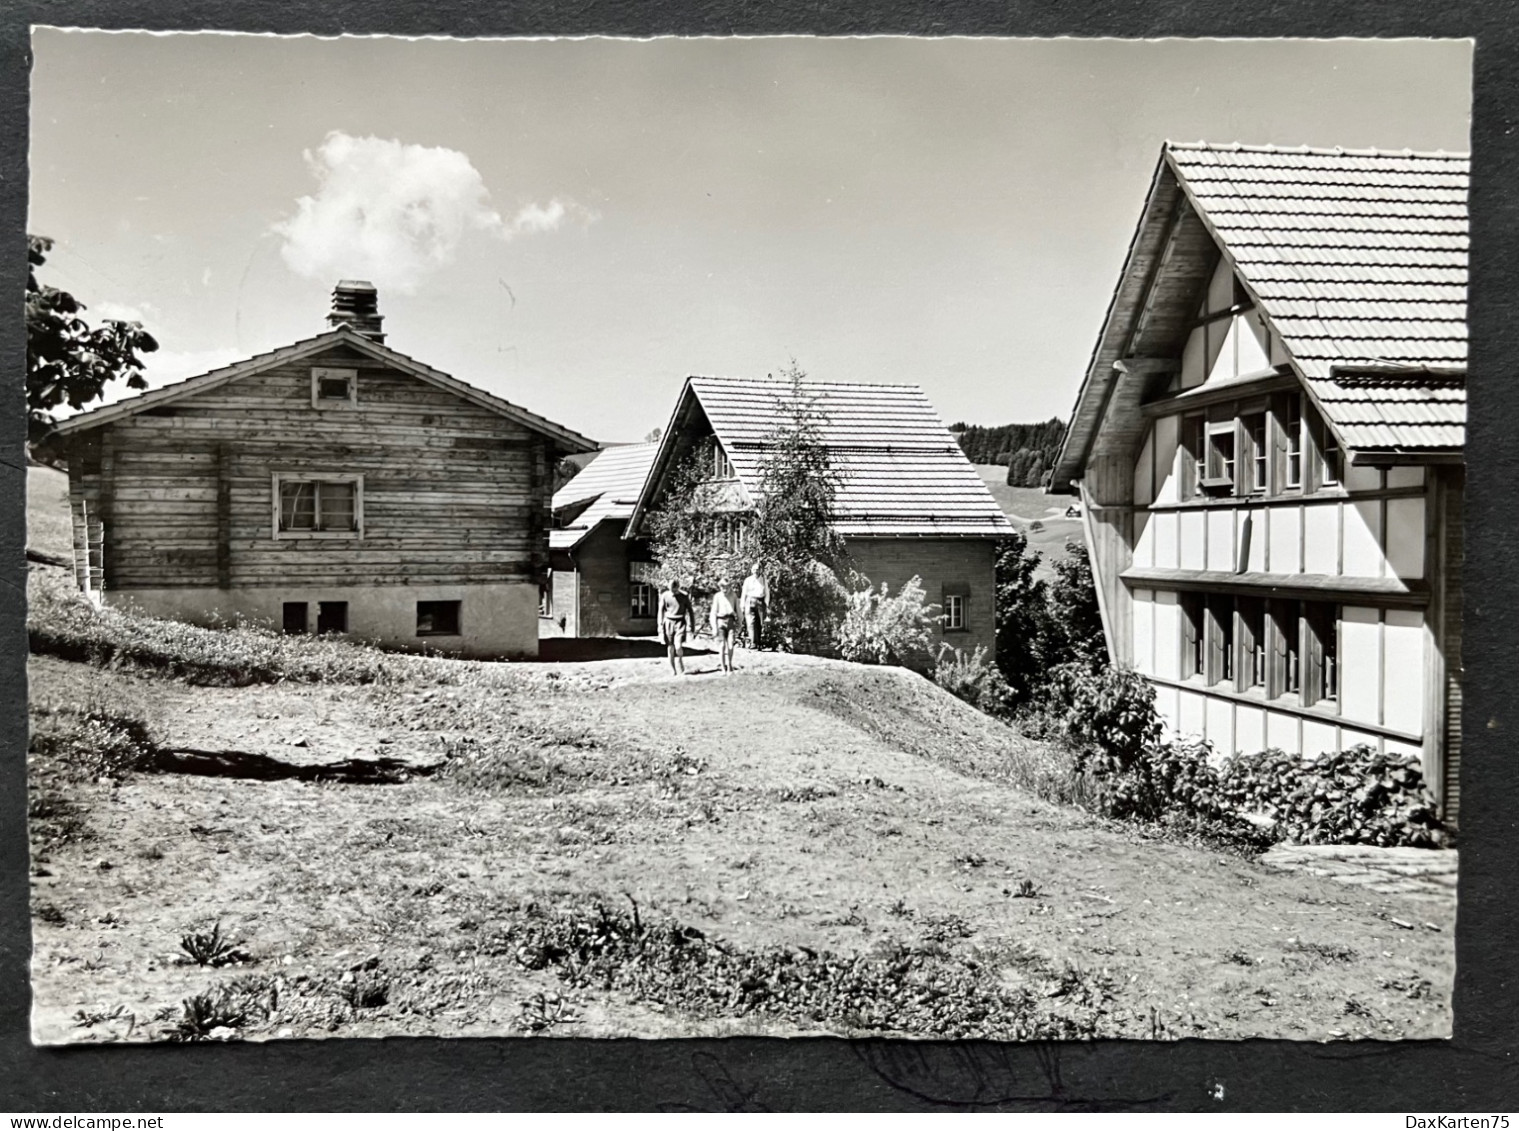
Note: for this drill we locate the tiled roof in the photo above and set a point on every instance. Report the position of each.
(1358, 259)
(614, 480)
(620, 470)
(901, 471)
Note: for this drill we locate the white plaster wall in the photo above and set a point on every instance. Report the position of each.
(1222, 550)
(1403, 670)
(1405, 477)
(1219, 723)
(1144, 538)
(1167, 613)
(1143, 607)
(1285, 540)
(1317, 738)
(1363, 538)
(1167, 706)
(1249, 729)
(1282, 732)
(1255, 561)
(1321, 540)
(1193, 539)
(1163, 531)
(1189, 715)
(1405, 537)
(495, 619)
(1360, 663)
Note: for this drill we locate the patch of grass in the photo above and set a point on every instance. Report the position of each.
(906, 990)
(221, 1012)
(1324, 952)
(211, 948)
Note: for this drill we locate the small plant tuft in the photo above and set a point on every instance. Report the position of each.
(211, 948)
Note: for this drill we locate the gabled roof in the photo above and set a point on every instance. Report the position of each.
(902, 473)
(1357, 259)
(345, 336)
(611, 483)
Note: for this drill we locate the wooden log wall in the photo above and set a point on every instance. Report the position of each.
(451, 492)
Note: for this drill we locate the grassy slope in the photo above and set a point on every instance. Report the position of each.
(795, 804)
(1025, 505)
(47, 512)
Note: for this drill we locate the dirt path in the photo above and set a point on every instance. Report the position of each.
(795, 803)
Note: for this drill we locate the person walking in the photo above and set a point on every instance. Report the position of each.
(724, 627)
(675, 621)
(755, 600)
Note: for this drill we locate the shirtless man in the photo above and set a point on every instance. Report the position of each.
(676, 620)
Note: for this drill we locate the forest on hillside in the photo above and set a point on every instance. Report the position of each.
(1027, 450)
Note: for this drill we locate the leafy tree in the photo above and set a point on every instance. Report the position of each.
(1075, 617)
(793, 533)
(697, 534)
(1023, 617)
(67, 362)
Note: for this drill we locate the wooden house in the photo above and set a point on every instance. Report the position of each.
(909, 504)
(332, 485)
(1268, 449)
(598, 586)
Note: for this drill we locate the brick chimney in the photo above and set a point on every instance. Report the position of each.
(356, 304)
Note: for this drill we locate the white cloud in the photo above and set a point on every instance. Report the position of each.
(394, 213)
(97, 312)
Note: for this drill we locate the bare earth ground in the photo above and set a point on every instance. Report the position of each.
(797, 803)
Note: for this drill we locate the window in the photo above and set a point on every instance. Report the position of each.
(954, 612)
(1322, 679)
(438, 618)
(296, 617)
(642, 604)
(1220, 640)
(1194, 626)
(1252, 644)
(334, 388)
(545, 600)
(1333, 468)
(318, 506)
(1260, 454)
(722, 467)
(1286, 630)
(331, 616)
(1292, 427)
(1219, 477)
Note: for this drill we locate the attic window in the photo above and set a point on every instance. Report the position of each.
(334, 388)
(1220, 459)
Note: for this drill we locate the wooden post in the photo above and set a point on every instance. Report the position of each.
(223, 517)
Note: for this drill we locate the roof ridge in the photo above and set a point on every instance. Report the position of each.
(1322, 151)
(808, 383)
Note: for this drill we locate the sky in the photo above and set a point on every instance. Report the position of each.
(576, 225)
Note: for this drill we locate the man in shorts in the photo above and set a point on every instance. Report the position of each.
(724, 627)
(675, 621)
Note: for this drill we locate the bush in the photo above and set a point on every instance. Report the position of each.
(974, 680)
(1107, 715)
(878, 628)
(1351, 796)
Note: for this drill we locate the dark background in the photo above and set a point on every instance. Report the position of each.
(1473, 1073)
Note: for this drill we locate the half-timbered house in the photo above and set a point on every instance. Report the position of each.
(1268, 449)
(331, 485)
(909, 503)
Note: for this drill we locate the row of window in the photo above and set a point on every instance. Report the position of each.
(1276, 648)
(1266, 446)
(434, 618)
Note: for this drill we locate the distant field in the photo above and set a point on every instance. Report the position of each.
(1026, 505)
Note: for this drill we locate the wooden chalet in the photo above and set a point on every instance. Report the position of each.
(1268, 449)
(598, 586)
(332, 485)
(910, 503)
